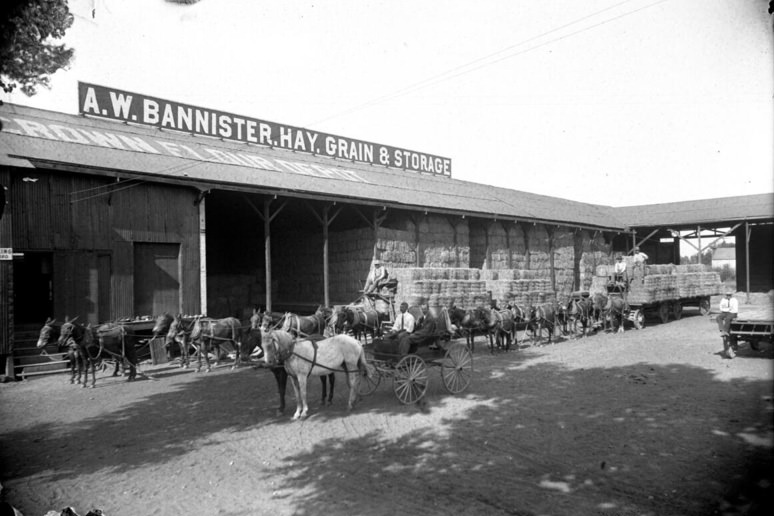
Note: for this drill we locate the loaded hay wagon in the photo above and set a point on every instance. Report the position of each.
(659, 290)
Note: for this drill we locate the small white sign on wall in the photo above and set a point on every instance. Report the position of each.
(6, 253)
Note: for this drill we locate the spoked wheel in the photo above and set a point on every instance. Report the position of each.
(663, 312)
(457, 368)
(704, 306)
(639, 319)
(410, 381)
(368, 384)
(677, 310)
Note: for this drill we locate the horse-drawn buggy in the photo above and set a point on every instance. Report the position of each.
(406, 358)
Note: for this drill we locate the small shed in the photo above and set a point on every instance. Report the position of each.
(724, 256)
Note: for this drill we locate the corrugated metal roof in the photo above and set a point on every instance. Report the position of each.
(63, 139)
(706, 211)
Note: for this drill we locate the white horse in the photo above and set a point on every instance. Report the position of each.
(303, 358)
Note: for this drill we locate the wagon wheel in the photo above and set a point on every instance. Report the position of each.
(457, 368)
(368, 384)
(639, 319)
(677, 310)
(410, 380)
(704, 306)
(663, 312)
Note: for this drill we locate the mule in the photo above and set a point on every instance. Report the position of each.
(209, 334)
(303, 358)
(107, 341)
(49, 334)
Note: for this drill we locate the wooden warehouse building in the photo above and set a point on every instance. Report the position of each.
(105, 220)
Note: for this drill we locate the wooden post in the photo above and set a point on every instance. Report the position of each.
(698, 241)
(202, 256)
(267, 250)
(747, 258)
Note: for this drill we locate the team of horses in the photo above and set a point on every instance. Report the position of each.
(297, 347)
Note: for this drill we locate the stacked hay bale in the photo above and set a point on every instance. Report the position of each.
(697, 280)
(594, 252)
(514, 286)
(441, 244)
(563, 249)
(350, 256)
(661, 282)
(439, 286)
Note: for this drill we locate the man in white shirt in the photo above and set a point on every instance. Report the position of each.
(729, 310)
(377, 277)
(404, 321)
(639, 257)
(619, 270)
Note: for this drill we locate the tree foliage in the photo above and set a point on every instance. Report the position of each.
(29, 53)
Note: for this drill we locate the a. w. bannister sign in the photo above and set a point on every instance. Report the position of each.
(131, 107)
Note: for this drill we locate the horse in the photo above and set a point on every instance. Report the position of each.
(361, 321)
(161, 328)
(179, 332)
(109, 340)
(49, 334)
(520, 317)
(468, 322)
(580, 310)
(598, 304)
(303, 358)
(210, 334)
(616, 309)
(314, 324)
(501, 326)
(543, 316)
(312, 327)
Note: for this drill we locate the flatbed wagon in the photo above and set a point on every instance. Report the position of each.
(751, 331)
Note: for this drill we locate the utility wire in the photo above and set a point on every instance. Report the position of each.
(466, 68)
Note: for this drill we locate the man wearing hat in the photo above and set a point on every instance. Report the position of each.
(729, 310)
(377, 277)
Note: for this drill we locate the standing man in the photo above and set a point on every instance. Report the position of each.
(619, 270)
(729, 310)
(639, 257)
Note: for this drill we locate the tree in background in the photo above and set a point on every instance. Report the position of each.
(29, 54)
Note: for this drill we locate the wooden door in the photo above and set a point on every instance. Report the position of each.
(156, 278)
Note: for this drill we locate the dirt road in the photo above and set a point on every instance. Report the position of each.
(650, 422)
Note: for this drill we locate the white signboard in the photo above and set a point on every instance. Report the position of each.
(6, 253)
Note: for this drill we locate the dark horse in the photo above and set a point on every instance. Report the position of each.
(580, 311)
(360, 320)
(178, 333)
(209, 334)
(543, 316)
(50, 334)
(107, 341)
(468, 322)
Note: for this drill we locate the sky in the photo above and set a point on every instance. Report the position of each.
(614, 102)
